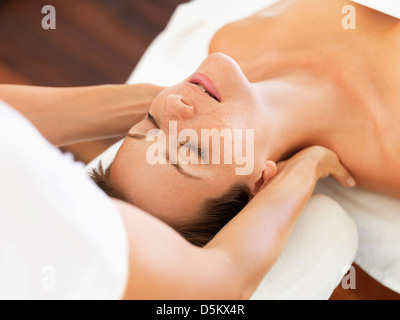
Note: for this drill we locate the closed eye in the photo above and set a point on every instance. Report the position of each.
(152, 120)
(197, 149)
(177, 166)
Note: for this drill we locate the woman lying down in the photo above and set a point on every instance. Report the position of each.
(310, 92)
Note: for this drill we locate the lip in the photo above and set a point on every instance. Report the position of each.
(199, 78)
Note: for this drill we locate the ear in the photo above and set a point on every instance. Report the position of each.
(268, 172)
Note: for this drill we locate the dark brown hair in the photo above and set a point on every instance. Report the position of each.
(214, 214)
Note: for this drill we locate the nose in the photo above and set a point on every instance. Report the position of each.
(176, 109)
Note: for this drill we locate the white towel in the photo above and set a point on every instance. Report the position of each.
(390, 7)
(378, 223)
(60, 236)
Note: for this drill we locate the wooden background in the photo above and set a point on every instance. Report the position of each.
(97, 42)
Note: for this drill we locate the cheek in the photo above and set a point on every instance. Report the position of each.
(236, 115)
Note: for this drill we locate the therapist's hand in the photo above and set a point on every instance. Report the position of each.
(144, 93)
(320, 162)
(124, 107)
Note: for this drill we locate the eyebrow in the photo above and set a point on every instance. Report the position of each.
(141, 136)
(137, 136)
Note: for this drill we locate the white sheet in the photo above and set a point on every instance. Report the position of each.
(60, 236)
(390, 7)
(321, 247)
(378, 223)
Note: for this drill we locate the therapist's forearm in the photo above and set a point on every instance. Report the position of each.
(69, 115)
(165, 266)
(257, 236)
(255, 239)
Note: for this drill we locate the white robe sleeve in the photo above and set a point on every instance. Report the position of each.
(61, 237)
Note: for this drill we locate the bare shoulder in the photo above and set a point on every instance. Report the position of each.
(135, 218)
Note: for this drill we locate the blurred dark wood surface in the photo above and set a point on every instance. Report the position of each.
(97, 42)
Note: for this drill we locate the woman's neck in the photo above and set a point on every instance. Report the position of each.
(300, 111)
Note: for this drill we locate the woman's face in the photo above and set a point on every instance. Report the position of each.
(218, 96)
